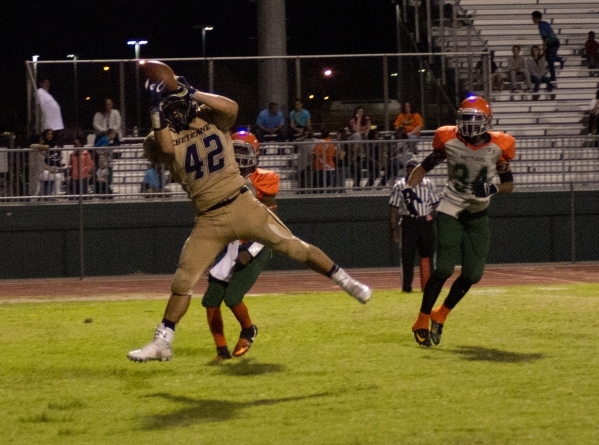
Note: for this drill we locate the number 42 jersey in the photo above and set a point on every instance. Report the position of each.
(468, 165)
(204, 162)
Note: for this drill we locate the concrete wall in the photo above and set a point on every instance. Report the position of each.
(125, 238)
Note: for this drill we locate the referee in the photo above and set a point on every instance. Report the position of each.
(416, 231)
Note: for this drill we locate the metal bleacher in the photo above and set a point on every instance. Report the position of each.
(500, 24)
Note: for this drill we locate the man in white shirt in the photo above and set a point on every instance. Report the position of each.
(51, 114)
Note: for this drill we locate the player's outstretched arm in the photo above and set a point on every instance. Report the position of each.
(416, 176)
(225, 109)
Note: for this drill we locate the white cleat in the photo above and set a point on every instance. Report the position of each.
(359, 291)
(158, 349)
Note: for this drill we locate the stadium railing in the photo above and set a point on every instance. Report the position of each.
(541, 164)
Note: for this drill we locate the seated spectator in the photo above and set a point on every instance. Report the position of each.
(52, 176)
(37, 160)
(411, 121)
(591, 52)
(109, 117)
(374, 157)
(103, 179)
(517, 70)
(80, 168)
(107, 141)
(323, 162)
(155, 180)
(299, 118)
(359, 124)
(537, 70)
(270, 122)
(341, 158)
(397, 156)
(304, 148)
(496, 76)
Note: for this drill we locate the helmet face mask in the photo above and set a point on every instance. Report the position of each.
(179, 111)
(474, 117)
(245, 155)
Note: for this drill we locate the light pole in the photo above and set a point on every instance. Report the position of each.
(204, 28)
(38, 122)
(137, 44)
(74, 57)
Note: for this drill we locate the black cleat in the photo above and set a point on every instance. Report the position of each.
(222, 353)
(423, 337)
(246, 338)
(436, 331)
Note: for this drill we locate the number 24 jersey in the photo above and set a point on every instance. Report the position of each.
(468, 164)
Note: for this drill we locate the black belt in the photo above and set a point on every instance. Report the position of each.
(227, 201)
(416, 217)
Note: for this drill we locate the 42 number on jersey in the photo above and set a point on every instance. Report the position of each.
(214, 157)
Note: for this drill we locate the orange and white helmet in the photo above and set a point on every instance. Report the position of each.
(247, 149)
(474, 116)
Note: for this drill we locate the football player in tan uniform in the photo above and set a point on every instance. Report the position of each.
(191, 137)
(478, 167)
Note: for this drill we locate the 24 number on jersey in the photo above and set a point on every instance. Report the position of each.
(461, 175)
(214, 157)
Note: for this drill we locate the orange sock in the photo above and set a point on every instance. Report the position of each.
(242, 315)
(215, 322)
(421, 322)
(440, 314)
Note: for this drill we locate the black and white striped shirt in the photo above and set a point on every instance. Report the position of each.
(426, 191)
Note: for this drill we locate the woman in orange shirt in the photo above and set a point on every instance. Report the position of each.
(410, 120)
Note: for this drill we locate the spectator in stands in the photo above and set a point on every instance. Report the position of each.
(37, 160)
(106, 119)
(536, 70)
(550, 44)
(106, 143)
(341, 158)
(374, 156)
(155, 180)
(359, 124)
(411, 121)
(53, 174)
(496, 75)
(103, 179)
(591, 52)
(51, 113)
(270, 122)
(299, 118)
(323, 162)
(305, 158)
(399, 153)
(594, 117)
(80, 168)
(516, 66)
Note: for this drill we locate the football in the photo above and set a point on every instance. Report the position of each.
(158, 71)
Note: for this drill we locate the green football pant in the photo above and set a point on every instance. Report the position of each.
(467, 238)
(241, 282)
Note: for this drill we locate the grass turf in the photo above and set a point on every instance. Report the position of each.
(515, 365)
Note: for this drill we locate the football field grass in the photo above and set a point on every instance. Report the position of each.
(516, 365)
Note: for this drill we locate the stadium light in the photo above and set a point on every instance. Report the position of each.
(137, 44)
(204, 28)
(76, 88)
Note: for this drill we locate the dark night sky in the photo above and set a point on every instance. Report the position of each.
(100, 30)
